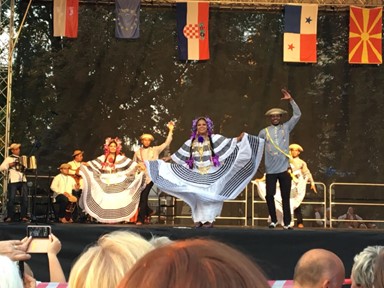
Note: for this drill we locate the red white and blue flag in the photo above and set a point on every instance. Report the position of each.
(65, 18)
(300, 33)
(192, 30)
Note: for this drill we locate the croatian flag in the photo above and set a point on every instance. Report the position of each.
(192, 30)
(65, 18)
(300, 33)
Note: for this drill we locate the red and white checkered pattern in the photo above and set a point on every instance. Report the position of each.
(191, 31)
(51, 285)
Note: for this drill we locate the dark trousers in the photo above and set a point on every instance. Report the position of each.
(285, 188)
(144, 209)
(62, 201)
(298, 215)
(12, 189)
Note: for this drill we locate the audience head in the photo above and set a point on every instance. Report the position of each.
(364, 266)
(319, 268)
(9, 274)
(378, 281)
(195, 263)
(105, 263)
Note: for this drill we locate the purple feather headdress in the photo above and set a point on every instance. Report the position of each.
(194, 126)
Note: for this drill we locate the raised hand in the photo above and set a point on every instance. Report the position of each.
(171, 125)
(286, 95)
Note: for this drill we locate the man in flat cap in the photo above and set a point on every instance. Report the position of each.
(300, 171)
(16, 182)
(64, 187)
(276, 158)
(148, 153)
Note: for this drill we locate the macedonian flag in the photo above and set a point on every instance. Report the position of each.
(365, 44)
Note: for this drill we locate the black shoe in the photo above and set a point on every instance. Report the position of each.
(208, 225)
(288, 228)
(198, 224)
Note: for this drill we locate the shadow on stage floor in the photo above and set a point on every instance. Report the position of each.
(275, 250)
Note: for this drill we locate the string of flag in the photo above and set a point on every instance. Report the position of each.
(192, 25)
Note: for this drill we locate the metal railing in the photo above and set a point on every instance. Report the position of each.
(365, 200)
(242, 199)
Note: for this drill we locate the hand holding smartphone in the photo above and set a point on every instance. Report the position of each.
(40, 238)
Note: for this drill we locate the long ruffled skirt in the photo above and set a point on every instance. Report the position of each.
(205, 193)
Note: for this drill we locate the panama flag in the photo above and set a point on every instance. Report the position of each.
(300, 33)
(65, 18)
(365, 44)
(192, 30)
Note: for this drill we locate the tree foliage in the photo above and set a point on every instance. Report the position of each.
(73, 93)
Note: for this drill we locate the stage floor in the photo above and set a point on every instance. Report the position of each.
(275, 250)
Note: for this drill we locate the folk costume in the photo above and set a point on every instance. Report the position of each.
(111, 190)
(148, 154)
(16, 182)
(208, 170)
(277, 162)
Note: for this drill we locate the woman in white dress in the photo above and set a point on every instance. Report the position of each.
(111, 185)
(209, 169)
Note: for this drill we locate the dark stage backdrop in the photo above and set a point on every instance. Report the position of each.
(73, 93)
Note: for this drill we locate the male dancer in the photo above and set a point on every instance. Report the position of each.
(145, 153)
(276, 157)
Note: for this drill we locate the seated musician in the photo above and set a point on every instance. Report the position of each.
(63, 186)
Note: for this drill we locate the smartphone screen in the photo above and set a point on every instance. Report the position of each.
(38, 231)
(40, 238)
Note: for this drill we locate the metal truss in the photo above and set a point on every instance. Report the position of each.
(6, 46)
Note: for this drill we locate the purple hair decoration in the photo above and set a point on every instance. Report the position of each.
(209, 126)
(189, 163)
(215, 161)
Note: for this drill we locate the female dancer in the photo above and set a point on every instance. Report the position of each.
(208, 169)
(112, 185)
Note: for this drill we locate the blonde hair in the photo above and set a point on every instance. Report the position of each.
(105, 263)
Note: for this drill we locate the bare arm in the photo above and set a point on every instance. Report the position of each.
(55, 270)
(240, 137)
(168, 141)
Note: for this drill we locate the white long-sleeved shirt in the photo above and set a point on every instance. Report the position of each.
(151, 153)
(14, 175)
(62, 183)
(275, 161)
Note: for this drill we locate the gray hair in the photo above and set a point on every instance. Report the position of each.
(364, 266)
